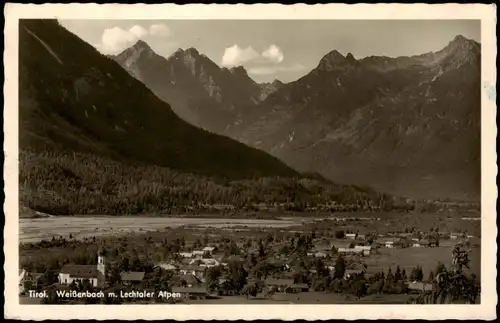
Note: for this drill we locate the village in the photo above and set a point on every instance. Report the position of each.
(271, 265)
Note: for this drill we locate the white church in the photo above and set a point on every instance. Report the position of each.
(95, 274)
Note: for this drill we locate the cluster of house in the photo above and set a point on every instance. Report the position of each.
(398, 239)
(191, 267)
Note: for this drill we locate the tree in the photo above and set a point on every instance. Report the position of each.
(400, 287)
(390, 277)
(237, 276)
(73, 285)
(431, 276)
(440, 268)
(339, 268)
(360, 288)
(28, 285)
(339, 234)
(249, 290)
(114, 276)
(212, 278)
(125, 264)
(261, 249)
(420, 274)
(397, 274)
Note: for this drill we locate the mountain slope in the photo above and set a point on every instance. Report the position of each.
(74, 99)
(409, 125)
(199, 91)
(406, 125)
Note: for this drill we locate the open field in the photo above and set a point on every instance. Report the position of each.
(32, 230)
(408, 258)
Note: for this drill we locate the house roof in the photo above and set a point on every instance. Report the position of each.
(192, 267)
(190, 290)
(33, 275)
(209, 249)
(80, 271)
(353, 271)
(189, 278)
(167, 266)
(132, 276)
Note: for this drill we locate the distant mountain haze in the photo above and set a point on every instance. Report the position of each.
(406, 125)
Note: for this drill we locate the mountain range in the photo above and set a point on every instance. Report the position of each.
(405, 125)
(75, 99)
(95, 140)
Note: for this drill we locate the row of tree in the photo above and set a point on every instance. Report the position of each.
(88, 184)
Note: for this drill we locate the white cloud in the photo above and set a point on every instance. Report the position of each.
(116, 39)
(138, 31)
(235, 55)
(273, 69)
(159, 30)
(274, 54)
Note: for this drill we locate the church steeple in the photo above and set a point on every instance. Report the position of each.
(101, 265)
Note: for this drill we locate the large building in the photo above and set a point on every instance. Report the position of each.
(96, 274)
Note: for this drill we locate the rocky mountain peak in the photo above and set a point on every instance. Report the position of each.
(335, 60)
(350, 58)
(238, 70)
(141, 45)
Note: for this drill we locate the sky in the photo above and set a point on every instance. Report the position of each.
(275, 49)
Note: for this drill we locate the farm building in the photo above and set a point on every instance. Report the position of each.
(210, 250)
(389, 244)
(198, 253)
(26, 277)
(455, 235)
(417, 244)
(351, 236)
(320, 254)
(186, 254)
(197, 271)
(365, 250)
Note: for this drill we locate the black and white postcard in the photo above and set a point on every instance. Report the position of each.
(250, 161)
